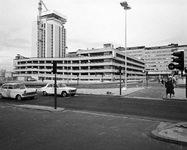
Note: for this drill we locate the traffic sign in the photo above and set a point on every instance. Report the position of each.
(171, 66)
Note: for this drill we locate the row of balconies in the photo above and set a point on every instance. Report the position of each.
(39, 72)
(132, 62)
(64, 61)
(74, 64)
(82, 76)
(42, 66)
(83, 62)
(75, 69)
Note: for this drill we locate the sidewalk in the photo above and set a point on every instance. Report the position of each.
(180, 94)
(109, 91)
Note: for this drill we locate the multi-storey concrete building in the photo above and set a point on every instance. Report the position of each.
(49, 38)
(156, 58)
(137, 51)
(84, 65)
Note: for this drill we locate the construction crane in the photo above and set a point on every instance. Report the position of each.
(39, 23)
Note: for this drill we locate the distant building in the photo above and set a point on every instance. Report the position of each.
(6, 75)
(98, 65)
(137, 51)
(156, 58)
(53, 36)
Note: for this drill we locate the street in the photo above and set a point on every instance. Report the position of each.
(69, 130)
(89, 122)
(159, 109)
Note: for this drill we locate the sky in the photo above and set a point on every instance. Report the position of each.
(92, 23)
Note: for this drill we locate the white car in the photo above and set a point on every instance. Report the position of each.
(62, 89)
(17, 91)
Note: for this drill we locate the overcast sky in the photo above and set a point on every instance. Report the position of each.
(92, 23)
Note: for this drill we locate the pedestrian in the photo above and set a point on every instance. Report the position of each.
(162, 81)
(169, 87)
(174, 82)
(158, 80)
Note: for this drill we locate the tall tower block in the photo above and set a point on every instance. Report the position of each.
(49, 35)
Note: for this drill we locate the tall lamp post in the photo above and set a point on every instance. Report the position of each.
(126, 7)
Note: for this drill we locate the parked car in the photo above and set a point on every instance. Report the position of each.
(152, 80)
(17, 91)
(31, 79)
(62, 89)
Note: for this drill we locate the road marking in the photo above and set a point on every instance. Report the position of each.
(114, 116)
(144, 98)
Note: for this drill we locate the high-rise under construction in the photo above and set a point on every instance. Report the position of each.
(48, 34)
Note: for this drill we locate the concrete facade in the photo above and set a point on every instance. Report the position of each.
(53, 36)
(96, 65)
(156, 58)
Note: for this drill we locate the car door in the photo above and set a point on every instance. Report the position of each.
(10, 91)
(58, 89)
(50, 88)
(4, 90)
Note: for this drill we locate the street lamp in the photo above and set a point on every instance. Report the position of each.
(126, 7)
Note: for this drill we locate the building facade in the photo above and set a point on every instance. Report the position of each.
(98, 65)
(49, 35)
(156, 58)
(137, 51)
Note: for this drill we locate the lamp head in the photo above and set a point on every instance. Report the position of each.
(125, 5)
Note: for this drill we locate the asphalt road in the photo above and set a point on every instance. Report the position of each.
(159, 109)
(89, 122)
(29, 129)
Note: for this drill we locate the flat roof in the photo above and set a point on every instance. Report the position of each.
(49, 12)
(164, 47)
(131, 48)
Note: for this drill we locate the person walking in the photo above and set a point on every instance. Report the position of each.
(162, 81)
(169, 87)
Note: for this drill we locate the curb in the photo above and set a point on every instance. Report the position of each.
(44, 108)
(172, 133)
(154, 134)
(145, 98)
(173, 99)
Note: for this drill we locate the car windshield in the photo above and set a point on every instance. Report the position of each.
(50, 85)
(61, 85)
(4, 86)
(19, 86)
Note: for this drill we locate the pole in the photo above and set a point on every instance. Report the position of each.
(125, 49)
(126, 7)
(147, 78)
(120, 84)
(186, 86)
(55, 104)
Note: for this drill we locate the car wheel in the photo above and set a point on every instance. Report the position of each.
(64, 94)
(73, 94)
(44, 93)
(18, 97)
(32, 97)
(1, 96)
